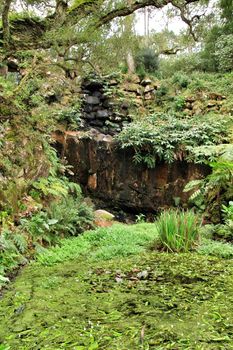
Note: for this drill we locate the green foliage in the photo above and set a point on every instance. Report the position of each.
(55, 187)
(64, 217)
(214, 248)
(140, 218)
(161, 91)
(224, 53)
(102, 244)
(185, 63)
(179, 103)
(70, 116)
(181, 80)
(228, 211)
(211, 193)
(211, 154)
(147, 59)
(13, 246)
(167, 137)
(178, 231)
(70, 216)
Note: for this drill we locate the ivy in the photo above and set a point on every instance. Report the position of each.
(168, 138)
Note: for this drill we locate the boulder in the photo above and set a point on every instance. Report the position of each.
(146, 82)
(132, 87)
(149, 88)
(103, 218)
(92, 100)
(102, 114)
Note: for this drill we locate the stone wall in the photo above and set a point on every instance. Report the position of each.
(109, 174)
(107, 103)
(99, 109)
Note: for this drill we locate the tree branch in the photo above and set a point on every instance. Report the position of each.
(185, 19)
(129, 9)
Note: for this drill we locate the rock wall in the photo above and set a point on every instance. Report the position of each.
(109, 174)
(99, 110)
(107, 103)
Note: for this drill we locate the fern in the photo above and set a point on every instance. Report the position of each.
(20, 241)
(170, 137)
(192, 185)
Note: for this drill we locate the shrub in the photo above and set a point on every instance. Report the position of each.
(224, 52)
(71, 216)
(147, 59)
(169, 137)
(211, 193)
(178, 230)
(179, 103)
(68, 216)
(181, 80)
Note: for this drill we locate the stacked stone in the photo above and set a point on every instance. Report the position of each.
(98, 110)
(203, 103)
(140, 91)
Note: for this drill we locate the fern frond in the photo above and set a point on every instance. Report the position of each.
(191, 185)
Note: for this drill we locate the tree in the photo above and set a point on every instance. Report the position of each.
(99, 13)
(5, 23)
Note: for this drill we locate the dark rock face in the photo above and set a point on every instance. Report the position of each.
(108, 173)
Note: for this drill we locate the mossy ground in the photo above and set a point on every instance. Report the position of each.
(148, 300)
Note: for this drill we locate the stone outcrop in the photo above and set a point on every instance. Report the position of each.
(109, 174)
(107, 103)
(203, 103)
(98, 109)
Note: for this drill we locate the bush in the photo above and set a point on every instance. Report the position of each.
(187, 63)
(68, 216)
(224, 53)
(168, 138)
(178, 230)
(147, 59)
(179, 103)
(71, 216)
(181, 80)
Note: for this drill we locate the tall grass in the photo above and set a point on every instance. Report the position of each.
(178, 230)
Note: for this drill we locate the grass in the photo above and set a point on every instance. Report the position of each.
(106, 243)
(178, 230)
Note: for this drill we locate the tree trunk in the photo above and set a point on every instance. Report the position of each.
(5, 23)
(60, 13)
(130, 63)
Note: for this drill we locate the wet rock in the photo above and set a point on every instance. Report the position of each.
(121, 182)
(92, 85)
(89, 116)
(125, 105)
(102, 114)
(98, 94)
(92, 100)
(97, 123)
